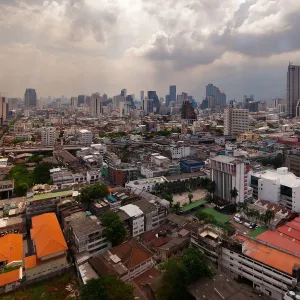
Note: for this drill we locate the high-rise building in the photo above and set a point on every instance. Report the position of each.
(229, 173)
(293, 89)
(236, 121)
(81, 99)
(148, 106)
(30, 98)
(3, 109)
(187, 111)
(219, 98)
(124, 92)
(168, 100)
(142, 95)
(48, 136)
(96, 105)
(172, 92)
(156, 104)
(13, 103)
(74, 101)
(117, 100)
(277, 102)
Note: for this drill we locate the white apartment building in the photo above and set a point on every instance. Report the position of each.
(277, 186)
(236, 121)
(229, 173)
(85, 137)
(48, 136)
(180, 151)
(96, 105)
(147, 184)
(136, 218)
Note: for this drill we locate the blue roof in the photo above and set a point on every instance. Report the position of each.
(111, 198)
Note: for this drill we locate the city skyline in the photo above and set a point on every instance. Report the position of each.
(65, 48)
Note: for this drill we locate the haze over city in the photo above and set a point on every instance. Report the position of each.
(83, 46)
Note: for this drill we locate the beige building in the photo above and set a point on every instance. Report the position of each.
(236, 121)
(247, 136)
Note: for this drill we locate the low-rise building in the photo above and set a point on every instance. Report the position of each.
(247, 136)
(11, 262)
(126, 261)
(6, 189)
(12, 225)
(190, 166)
(49, 257)
(85, 137)
(85, 234)
(145, 184)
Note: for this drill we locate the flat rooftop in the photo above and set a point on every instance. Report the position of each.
(50, 195)
(268, 255)
(221, 286)
(185, 176)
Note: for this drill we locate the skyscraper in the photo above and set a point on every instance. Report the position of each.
(30, 98)
(187, 111)
(3, 109)
(172, 92)
(168, 99)
(293, 89)
(96, 105)
(81, 99)
(124, 92)
(156, 104)
(74, 101)
(142, 95)
(219, 97)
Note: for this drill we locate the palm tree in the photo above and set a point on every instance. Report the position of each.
(234, 193)
(269, 216)
(211, 188)
(191, 196)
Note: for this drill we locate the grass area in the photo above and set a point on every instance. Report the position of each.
(62, 287)
(220, 218)
(257, 232)
(192, 205)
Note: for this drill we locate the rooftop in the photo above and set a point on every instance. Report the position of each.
(82, 224)
(50, 195)
(47, 235)
(285, 178)
(185, 176)
(220, 218)
(226, 159)
(268, 255)
(131, 210)
(9, 277)
(11, 248)
(193, 205)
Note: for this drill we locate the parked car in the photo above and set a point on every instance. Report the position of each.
(238, 220)
(248, 225)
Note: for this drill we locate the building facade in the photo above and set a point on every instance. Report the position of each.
(48, 136)
(236, 121)
(96, 105)
(293, 89)
(30, 98)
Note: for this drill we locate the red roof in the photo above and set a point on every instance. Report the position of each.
(280, 240)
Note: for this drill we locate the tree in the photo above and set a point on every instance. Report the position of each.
(114, 228)
(234, 193)
(174, 281)
(195, 264)
(269, 216)
(41, 173)
(34, 158)
(211, 187)
(22, 179)
(191, 196)
(91, 193)
(168, 197)
(205, 217)
(176, 208)
(106, 288)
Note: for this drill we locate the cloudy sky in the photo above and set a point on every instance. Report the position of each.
(67, 47)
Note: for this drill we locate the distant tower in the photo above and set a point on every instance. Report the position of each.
(30, 98)
(293, 89)
(96, 105)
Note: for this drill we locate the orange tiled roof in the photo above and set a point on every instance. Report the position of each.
(30, 262)
(9, 277)
(267, 255)
(47, 235)
(11, 248)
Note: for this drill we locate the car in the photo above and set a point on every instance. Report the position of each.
(238, 220)
(248, 225)
(237, 216)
